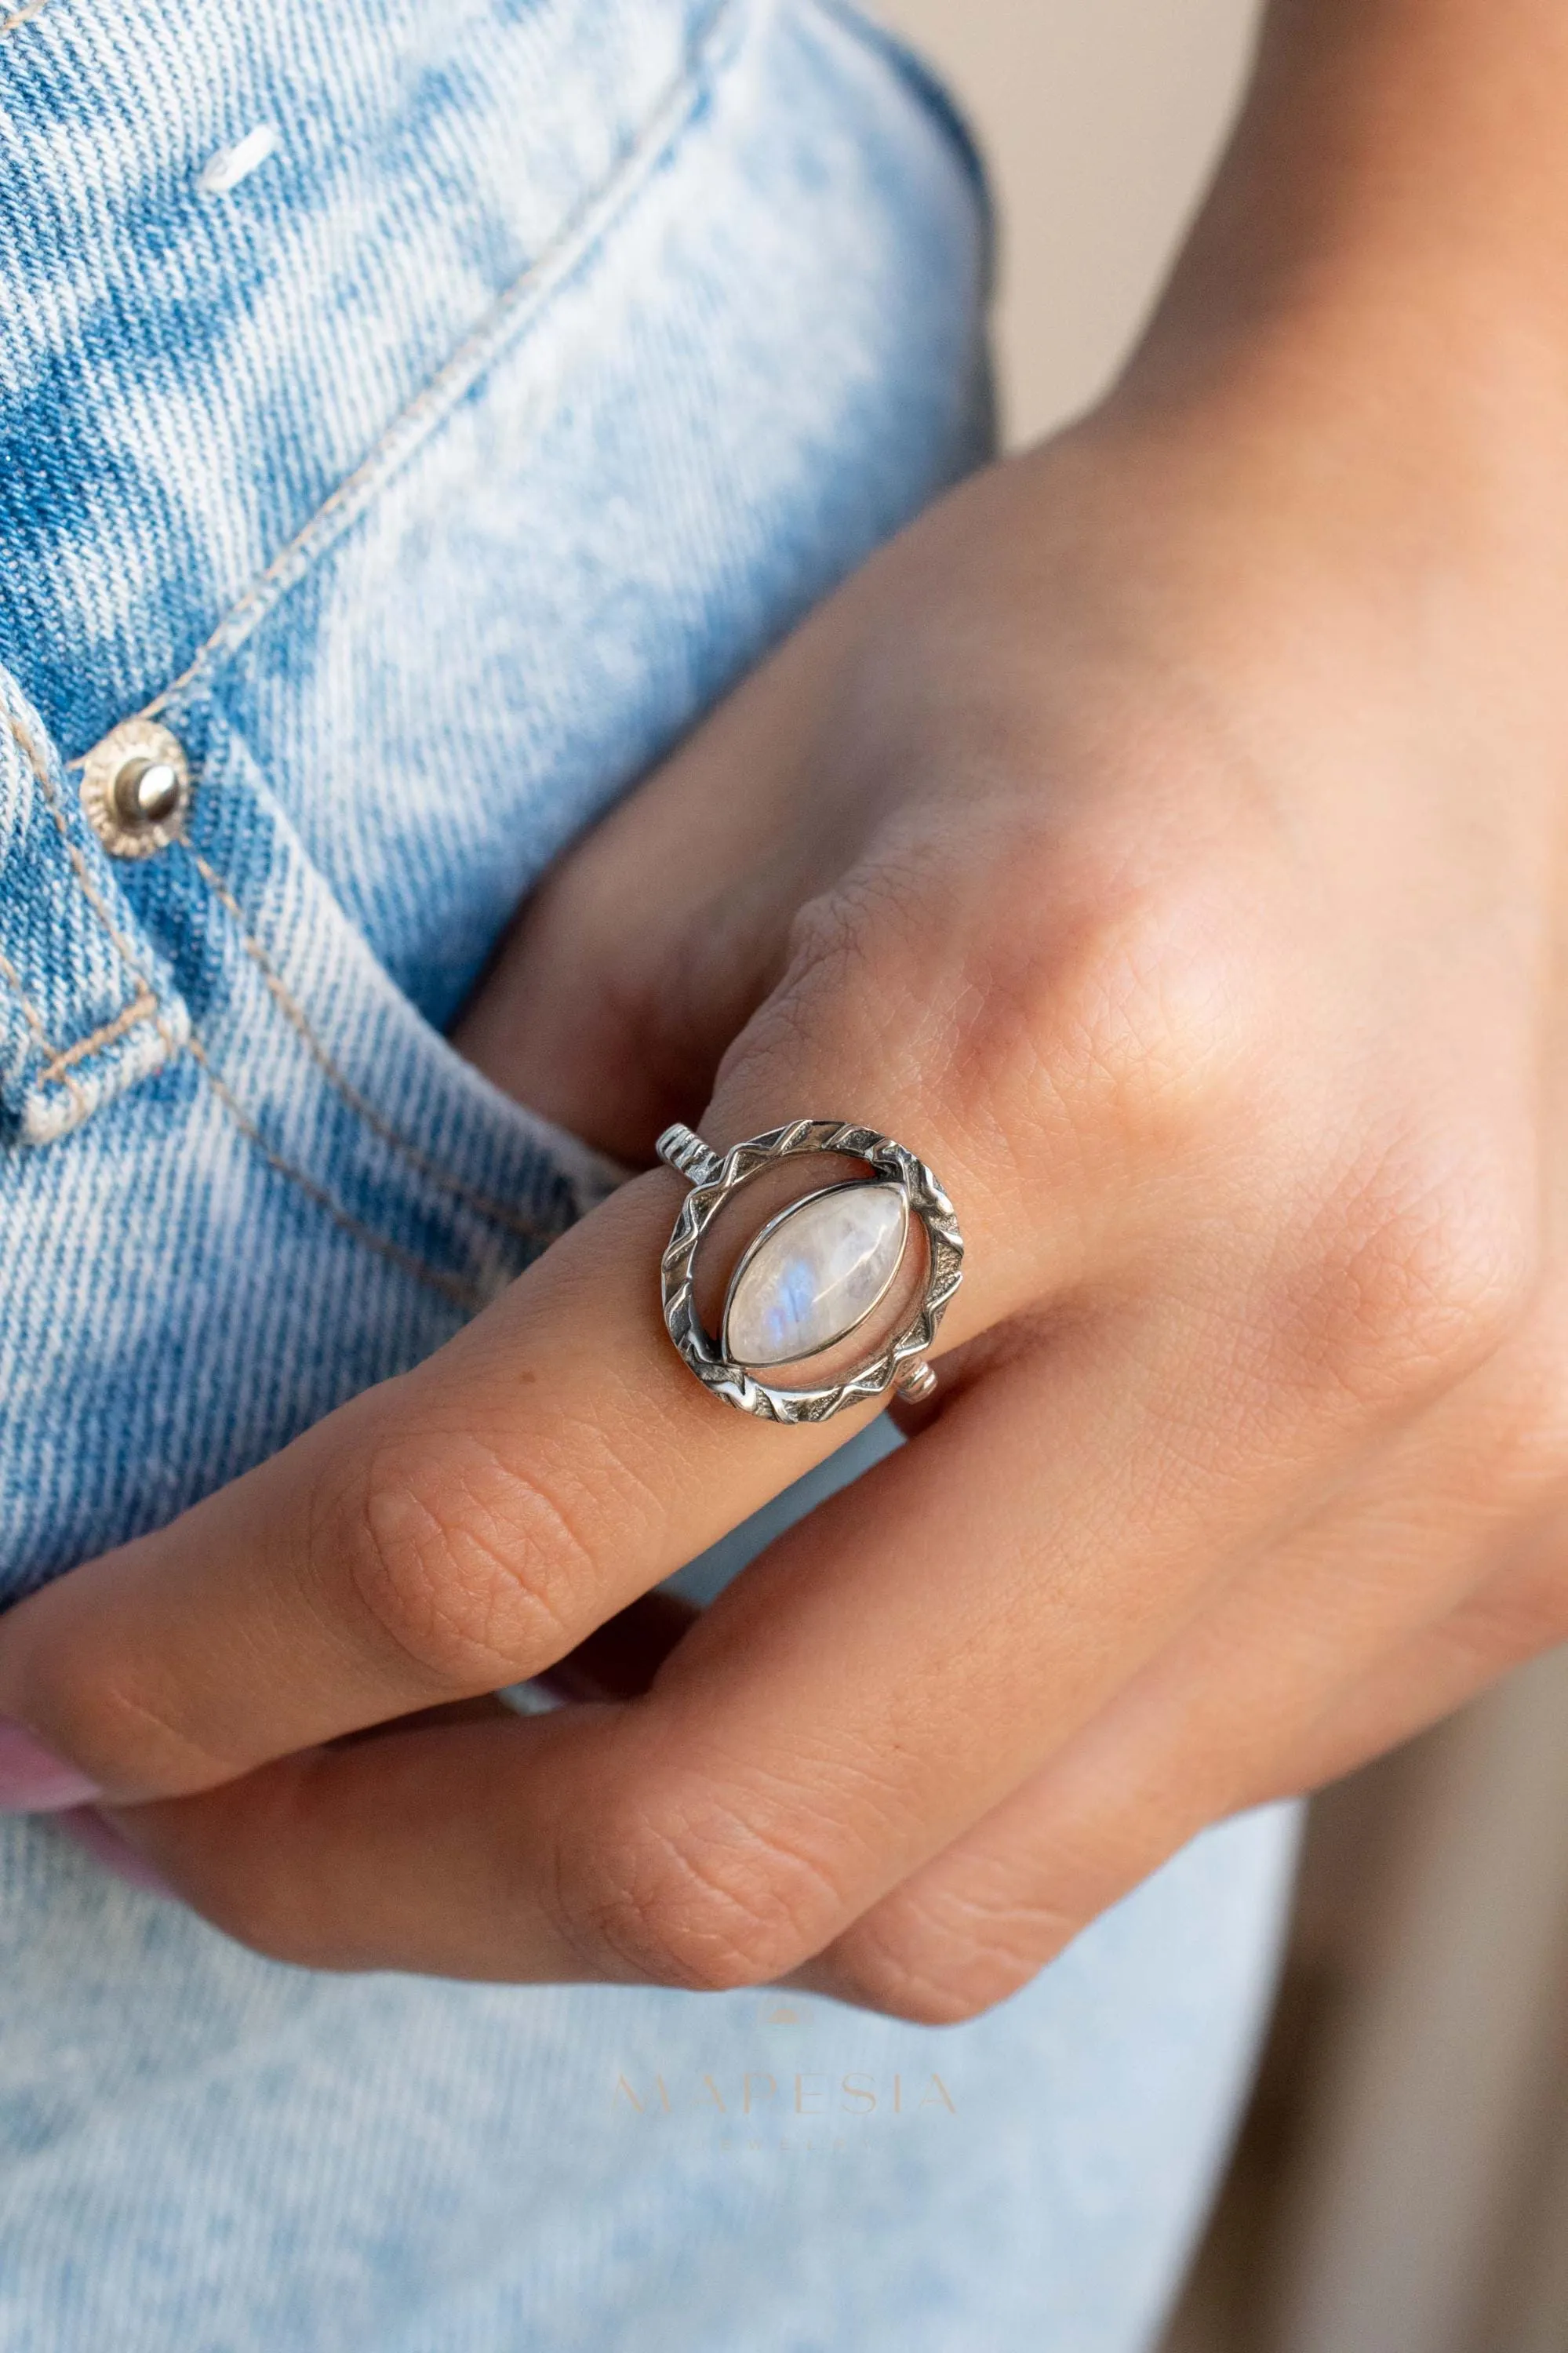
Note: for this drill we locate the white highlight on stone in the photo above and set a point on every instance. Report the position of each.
(814, 1273)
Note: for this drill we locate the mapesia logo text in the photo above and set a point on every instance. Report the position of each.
(804, 2093)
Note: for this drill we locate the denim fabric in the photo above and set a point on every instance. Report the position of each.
(428, 479)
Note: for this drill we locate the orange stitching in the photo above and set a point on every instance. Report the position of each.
(144, 1006)
(55, 1066)
(21, 16)
(30, 1013)
(529, 1229)
(90, 890)
(475, 351)
(464, 1293)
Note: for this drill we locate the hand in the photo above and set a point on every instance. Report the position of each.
(1164, 838)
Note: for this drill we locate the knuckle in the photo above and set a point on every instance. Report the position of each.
(256, 1916)
(1423, 1275)
(1027, 996)
(1133, 1013)
(854, 987)
(921, 1990)
(115, 1706)
(1496, 1631)
(942, 1958)
(120, 1723)
(233, 1850)
(455, 1556)
(701, 1898)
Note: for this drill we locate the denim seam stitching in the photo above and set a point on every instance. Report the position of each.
(526, 1228)
(465, 1294)
(53, 1064)
(90, 890)
(31, 1014)
(400, 439)
(146, 997)
(144, 990)
(20, 16)
(143, 1007)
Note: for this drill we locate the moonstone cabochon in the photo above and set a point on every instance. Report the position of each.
(814, 1273)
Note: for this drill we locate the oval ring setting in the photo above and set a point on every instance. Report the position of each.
(814, 1273)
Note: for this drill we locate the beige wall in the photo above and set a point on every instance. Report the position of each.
(1100, 118)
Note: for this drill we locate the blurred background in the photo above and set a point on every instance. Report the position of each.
(1401, 2183)
(1100, 119)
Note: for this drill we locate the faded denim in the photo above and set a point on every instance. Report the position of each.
(428, 482)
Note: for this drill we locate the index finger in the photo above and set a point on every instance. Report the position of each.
(456, 1529)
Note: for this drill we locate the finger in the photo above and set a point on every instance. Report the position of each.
(467, 1525)
(1467, 1520)
(1408, 1593)
(1518, 1613)
(618, 1661)
(437, 1850)
(813, 1741)
(459, 1529)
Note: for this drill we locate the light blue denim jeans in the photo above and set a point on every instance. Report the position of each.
(427, 408)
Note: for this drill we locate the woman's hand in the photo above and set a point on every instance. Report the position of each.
(1165, 840)
(1170, 850)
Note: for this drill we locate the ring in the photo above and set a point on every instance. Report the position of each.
(815, 1272)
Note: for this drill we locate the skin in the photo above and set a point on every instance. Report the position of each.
(1164, 838)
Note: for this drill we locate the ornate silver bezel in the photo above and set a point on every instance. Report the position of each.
(736, 1384)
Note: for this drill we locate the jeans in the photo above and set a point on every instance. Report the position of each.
(423, 411)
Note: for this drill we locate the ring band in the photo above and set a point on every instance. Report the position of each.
(815, 1273)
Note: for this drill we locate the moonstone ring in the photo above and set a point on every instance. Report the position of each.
(815, 1272)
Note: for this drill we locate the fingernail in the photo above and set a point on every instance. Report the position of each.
(117, 1855)
(33, 1781)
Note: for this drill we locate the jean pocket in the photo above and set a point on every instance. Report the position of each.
(242, 1177)
(333, 1077)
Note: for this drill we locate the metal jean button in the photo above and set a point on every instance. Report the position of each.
(136, 788)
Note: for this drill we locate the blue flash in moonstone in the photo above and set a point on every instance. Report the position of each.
(815, 1274)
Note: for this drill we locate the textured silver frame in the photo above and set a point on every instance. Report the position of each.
(715, 1178)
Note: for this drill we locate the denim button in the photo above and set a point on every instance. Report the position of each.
(136, 787)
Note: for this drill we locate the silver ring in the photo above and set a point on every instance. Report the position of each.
(778, 1311)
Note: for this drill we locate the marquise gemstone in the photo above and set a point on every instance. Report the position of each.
(815, 1273)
